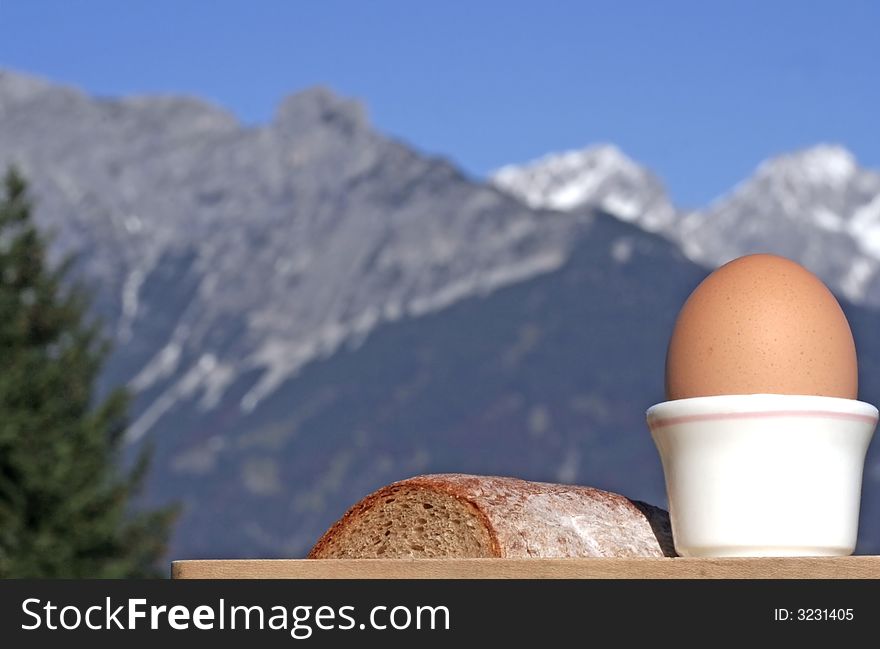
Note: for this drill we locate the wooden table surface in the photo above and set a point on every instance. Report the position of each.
(854, 567)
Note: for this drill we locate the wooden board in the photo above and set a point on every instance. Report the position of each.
(856, 567)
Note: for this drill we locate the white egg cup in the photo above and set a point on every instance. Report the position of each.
(763, 474)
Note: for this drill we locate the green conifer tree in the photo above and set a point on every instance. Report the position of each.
(65, 500)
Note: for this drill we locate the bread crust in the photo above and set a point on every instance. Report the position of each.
(537, 519)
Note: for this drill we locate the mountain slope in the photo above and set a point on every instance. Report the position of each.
(223, 251)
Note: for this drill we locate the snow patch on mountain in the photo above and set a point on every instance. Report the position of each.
(598, 176)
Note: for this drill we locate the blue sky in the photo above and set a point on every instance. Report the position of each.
(700, 92)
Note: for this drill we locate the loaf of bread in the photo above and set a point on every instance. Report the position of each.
(454, 516)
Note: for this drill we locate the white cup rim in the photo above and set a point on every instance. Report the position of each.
(754, 405)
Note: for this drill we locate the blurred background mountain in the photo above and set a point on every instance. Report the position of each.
(308, 309)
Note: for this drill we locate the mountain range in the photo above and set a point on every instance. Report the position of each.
(816, 206)
(309, 309)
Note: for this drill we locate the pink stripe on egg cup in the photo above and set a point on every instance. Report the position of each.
(813, 414)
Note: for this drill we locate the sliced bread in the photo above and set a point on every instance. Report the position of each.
(455, 515)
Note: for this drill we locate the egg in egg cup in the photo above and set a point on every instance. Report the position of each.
(762, 438)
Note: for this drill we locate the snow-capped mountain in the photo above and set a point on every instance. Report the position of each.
(598, 177)
(816, 206)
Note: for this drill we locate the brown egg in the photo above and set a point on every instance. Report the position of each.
(761, 324)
